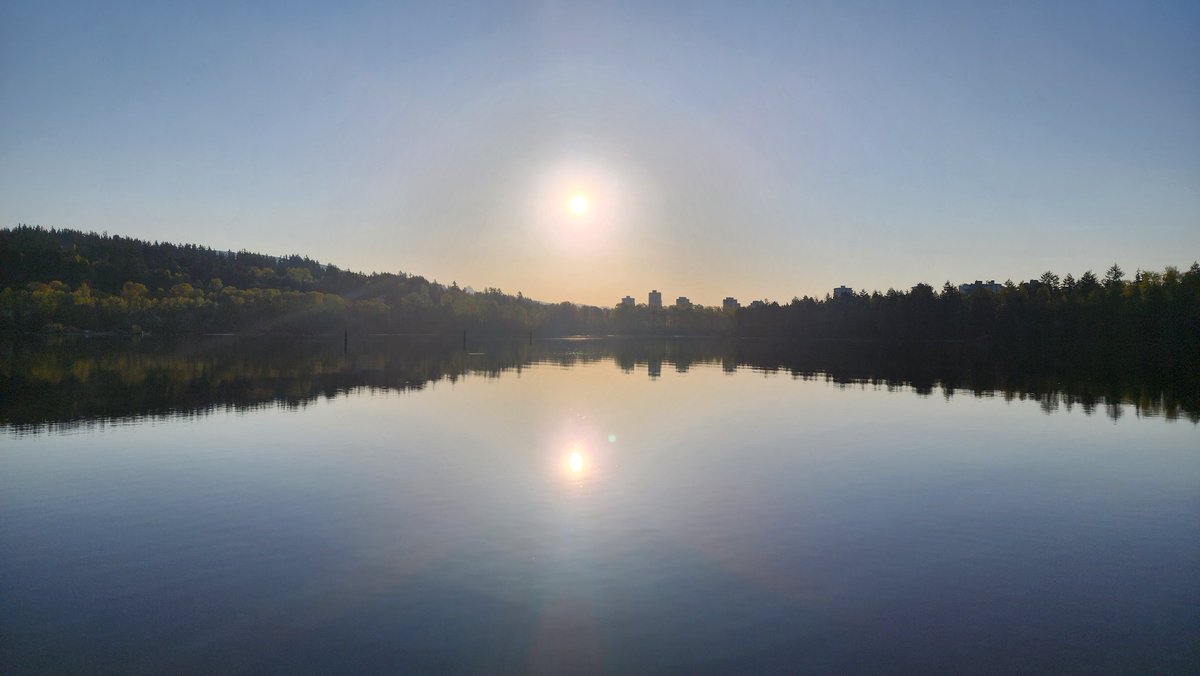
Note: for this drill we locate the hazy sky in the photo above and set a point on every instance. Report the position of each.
(746, 148)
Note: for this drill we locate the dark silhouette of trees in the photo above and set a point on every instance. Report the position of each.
(65, 279)
(59, 279)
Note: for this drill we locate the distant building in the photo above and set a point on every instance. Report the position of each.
(843, 291)
(655, 300)
(628, 301)
(730, 303)
(990, 285)
(683, 302)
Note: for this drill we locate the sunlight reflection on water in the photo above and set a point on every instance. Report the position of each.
(698, 522)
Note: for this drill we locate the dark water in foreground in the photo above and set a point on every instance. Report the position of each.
(241, 506)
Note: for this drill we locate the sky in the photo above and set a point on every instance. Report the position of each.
(753, 149)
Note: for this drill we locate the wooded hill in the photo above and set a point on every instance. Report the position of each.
(66, 279)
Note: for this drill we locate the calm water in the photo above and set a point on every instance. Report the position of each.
(227, 505)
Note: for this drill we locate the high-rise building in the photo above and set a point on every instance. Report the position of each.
(628, 301)
(683, 302)
(843, 291)
(968, 289)
(730, 303)
(655, 300)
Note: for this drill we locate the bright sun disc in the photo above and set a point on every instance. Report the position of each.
(578, 204)
(575, 462)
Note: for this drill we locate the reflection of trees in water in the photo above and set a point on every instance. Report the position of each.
(47, 383)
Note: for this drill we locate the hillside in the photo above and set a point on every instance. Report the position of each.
(64, 279)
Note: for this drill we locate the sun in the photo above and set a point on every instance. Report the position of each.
(578, 204)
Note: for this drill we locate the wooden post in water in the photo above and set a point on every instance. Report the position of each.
(464, 339)
(345, 341)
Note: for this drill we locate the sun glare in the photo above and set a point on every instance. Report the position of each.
(578, 204)
(575, 462)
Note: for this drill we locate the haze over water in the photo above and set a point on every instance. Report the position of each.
(585, 507)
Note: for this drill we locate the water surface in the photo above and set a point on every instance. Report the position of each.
(589, 506)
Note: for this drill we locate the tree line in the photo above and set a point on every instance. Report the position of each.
(57, 279)
(1152, 308)
(52, 279)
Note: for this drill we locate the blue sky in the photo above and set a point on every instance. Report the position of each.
(753, 149)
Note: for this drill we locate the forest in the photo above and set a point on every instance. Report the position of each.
(64, 280)
(60, 280)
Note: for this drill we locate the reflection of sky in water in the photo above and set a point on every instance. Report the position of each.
(742, 522)
(83, 384)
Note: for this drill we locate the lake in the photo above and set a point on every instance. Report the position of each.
(405, 505)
